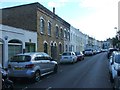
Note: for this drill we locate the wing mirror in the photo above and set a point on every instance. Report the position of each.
(112, 63)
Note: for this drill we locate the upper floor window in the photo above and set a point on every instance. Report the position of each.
(42, 25)
(57, 31)
(49, 28)
(61, 33)
(65, 33)
(68, 35)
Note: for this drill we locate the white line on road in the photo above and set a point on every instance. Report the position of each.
(48, 88)
(24, 88)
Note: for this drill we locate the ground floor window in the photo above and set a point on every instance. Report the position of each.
(14, 47)
(60, 48)
(29, 47)
(45, 48)
(1, 52)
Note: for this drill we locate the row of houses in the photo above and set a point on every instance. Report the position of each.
(32, 27)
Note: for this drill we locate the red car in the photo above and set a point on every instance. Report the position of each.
(80, 56)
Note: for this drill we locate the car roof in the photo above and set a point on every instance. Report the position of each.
(68, 52)
(31, 53)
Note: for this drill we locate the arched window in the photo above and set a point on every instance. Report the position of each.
(57, 31)
(61, 33)
(14, 47)
(49, 28)
(60, 48)
(42, 25)
(45, 48)
(66, 48)
(1, 51)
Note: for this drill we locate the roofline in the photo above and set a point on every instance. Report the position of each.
(20, 5)
(39, 6)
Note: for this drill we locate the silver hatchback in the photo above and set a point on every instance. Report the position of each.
(31, 65)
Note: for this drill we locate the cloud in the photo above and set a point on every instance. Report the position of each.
(55, 4)
(99, 24)
(58, 3)
(15, 1)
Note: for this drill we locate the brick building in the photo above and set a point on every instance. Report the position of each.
(35, 17)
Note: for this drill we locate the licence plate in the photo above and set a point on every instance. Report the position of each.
(65, 57)
(18, 68)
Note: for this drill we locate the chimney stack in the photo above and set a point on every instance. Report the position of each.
(54, 10)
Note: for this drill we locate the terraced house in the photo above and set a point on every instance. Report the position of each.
(51, 29)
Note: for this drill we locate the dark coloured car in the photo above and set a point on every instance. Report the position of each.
(110, 52)
(80, 56)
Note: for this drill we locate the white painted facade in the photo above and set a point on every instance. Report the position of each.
(8, 33)
(66, 40)
(76, 40)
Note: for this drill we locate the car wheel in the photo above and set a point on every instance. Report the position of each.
(111, 78)
(37, 76)
(55, 69)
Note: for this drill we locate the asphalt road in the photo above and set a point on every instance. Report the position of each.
(92, 72)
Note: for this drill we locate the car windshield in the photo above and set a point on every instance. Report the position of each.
(66, 54)
(88, 50)
(20, 58)
(117, 58)
(77, 53)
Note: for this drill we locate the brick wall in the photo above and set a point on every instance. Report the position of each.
(23, 16)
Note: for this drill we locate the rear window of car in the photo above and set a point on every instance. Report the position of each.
(77, 53)
(65, 54)
(88, 50)
(117, 58)
(111, 50)
(20, 58)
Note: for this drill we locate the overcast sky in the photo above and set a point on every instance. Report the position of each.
(96, 18)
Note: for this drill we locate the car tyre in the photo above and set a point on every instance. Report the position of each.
(111, 78)
(56, 69)
(37, 76)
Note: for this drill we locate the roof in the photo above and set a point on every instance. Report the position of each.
(41, 7)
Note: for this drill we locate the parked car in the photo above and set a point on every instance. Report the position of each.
(7, 84)
(114, 69)
(68, 57)
(88, 52)
(110, 52)
(31, 65)
(80, 56)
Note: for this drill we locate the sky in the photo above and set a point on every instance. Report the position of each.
(96, 18)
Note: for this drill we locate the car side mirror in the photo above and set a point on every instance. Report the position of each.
(112, 63)
(51, 59)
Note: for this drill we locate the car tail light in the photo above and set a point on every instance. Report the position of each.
(29, 66)
(9, 66)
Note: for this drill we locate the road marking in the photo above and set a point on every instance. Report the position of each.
(48, 88)
(24, 88)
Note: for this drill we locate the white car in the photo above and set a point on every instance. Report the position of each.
(114, 68)
(88, 52)
(68, 57)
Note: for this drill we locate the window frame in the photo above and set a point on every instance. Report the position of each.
(42, 25)
(49, 28)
